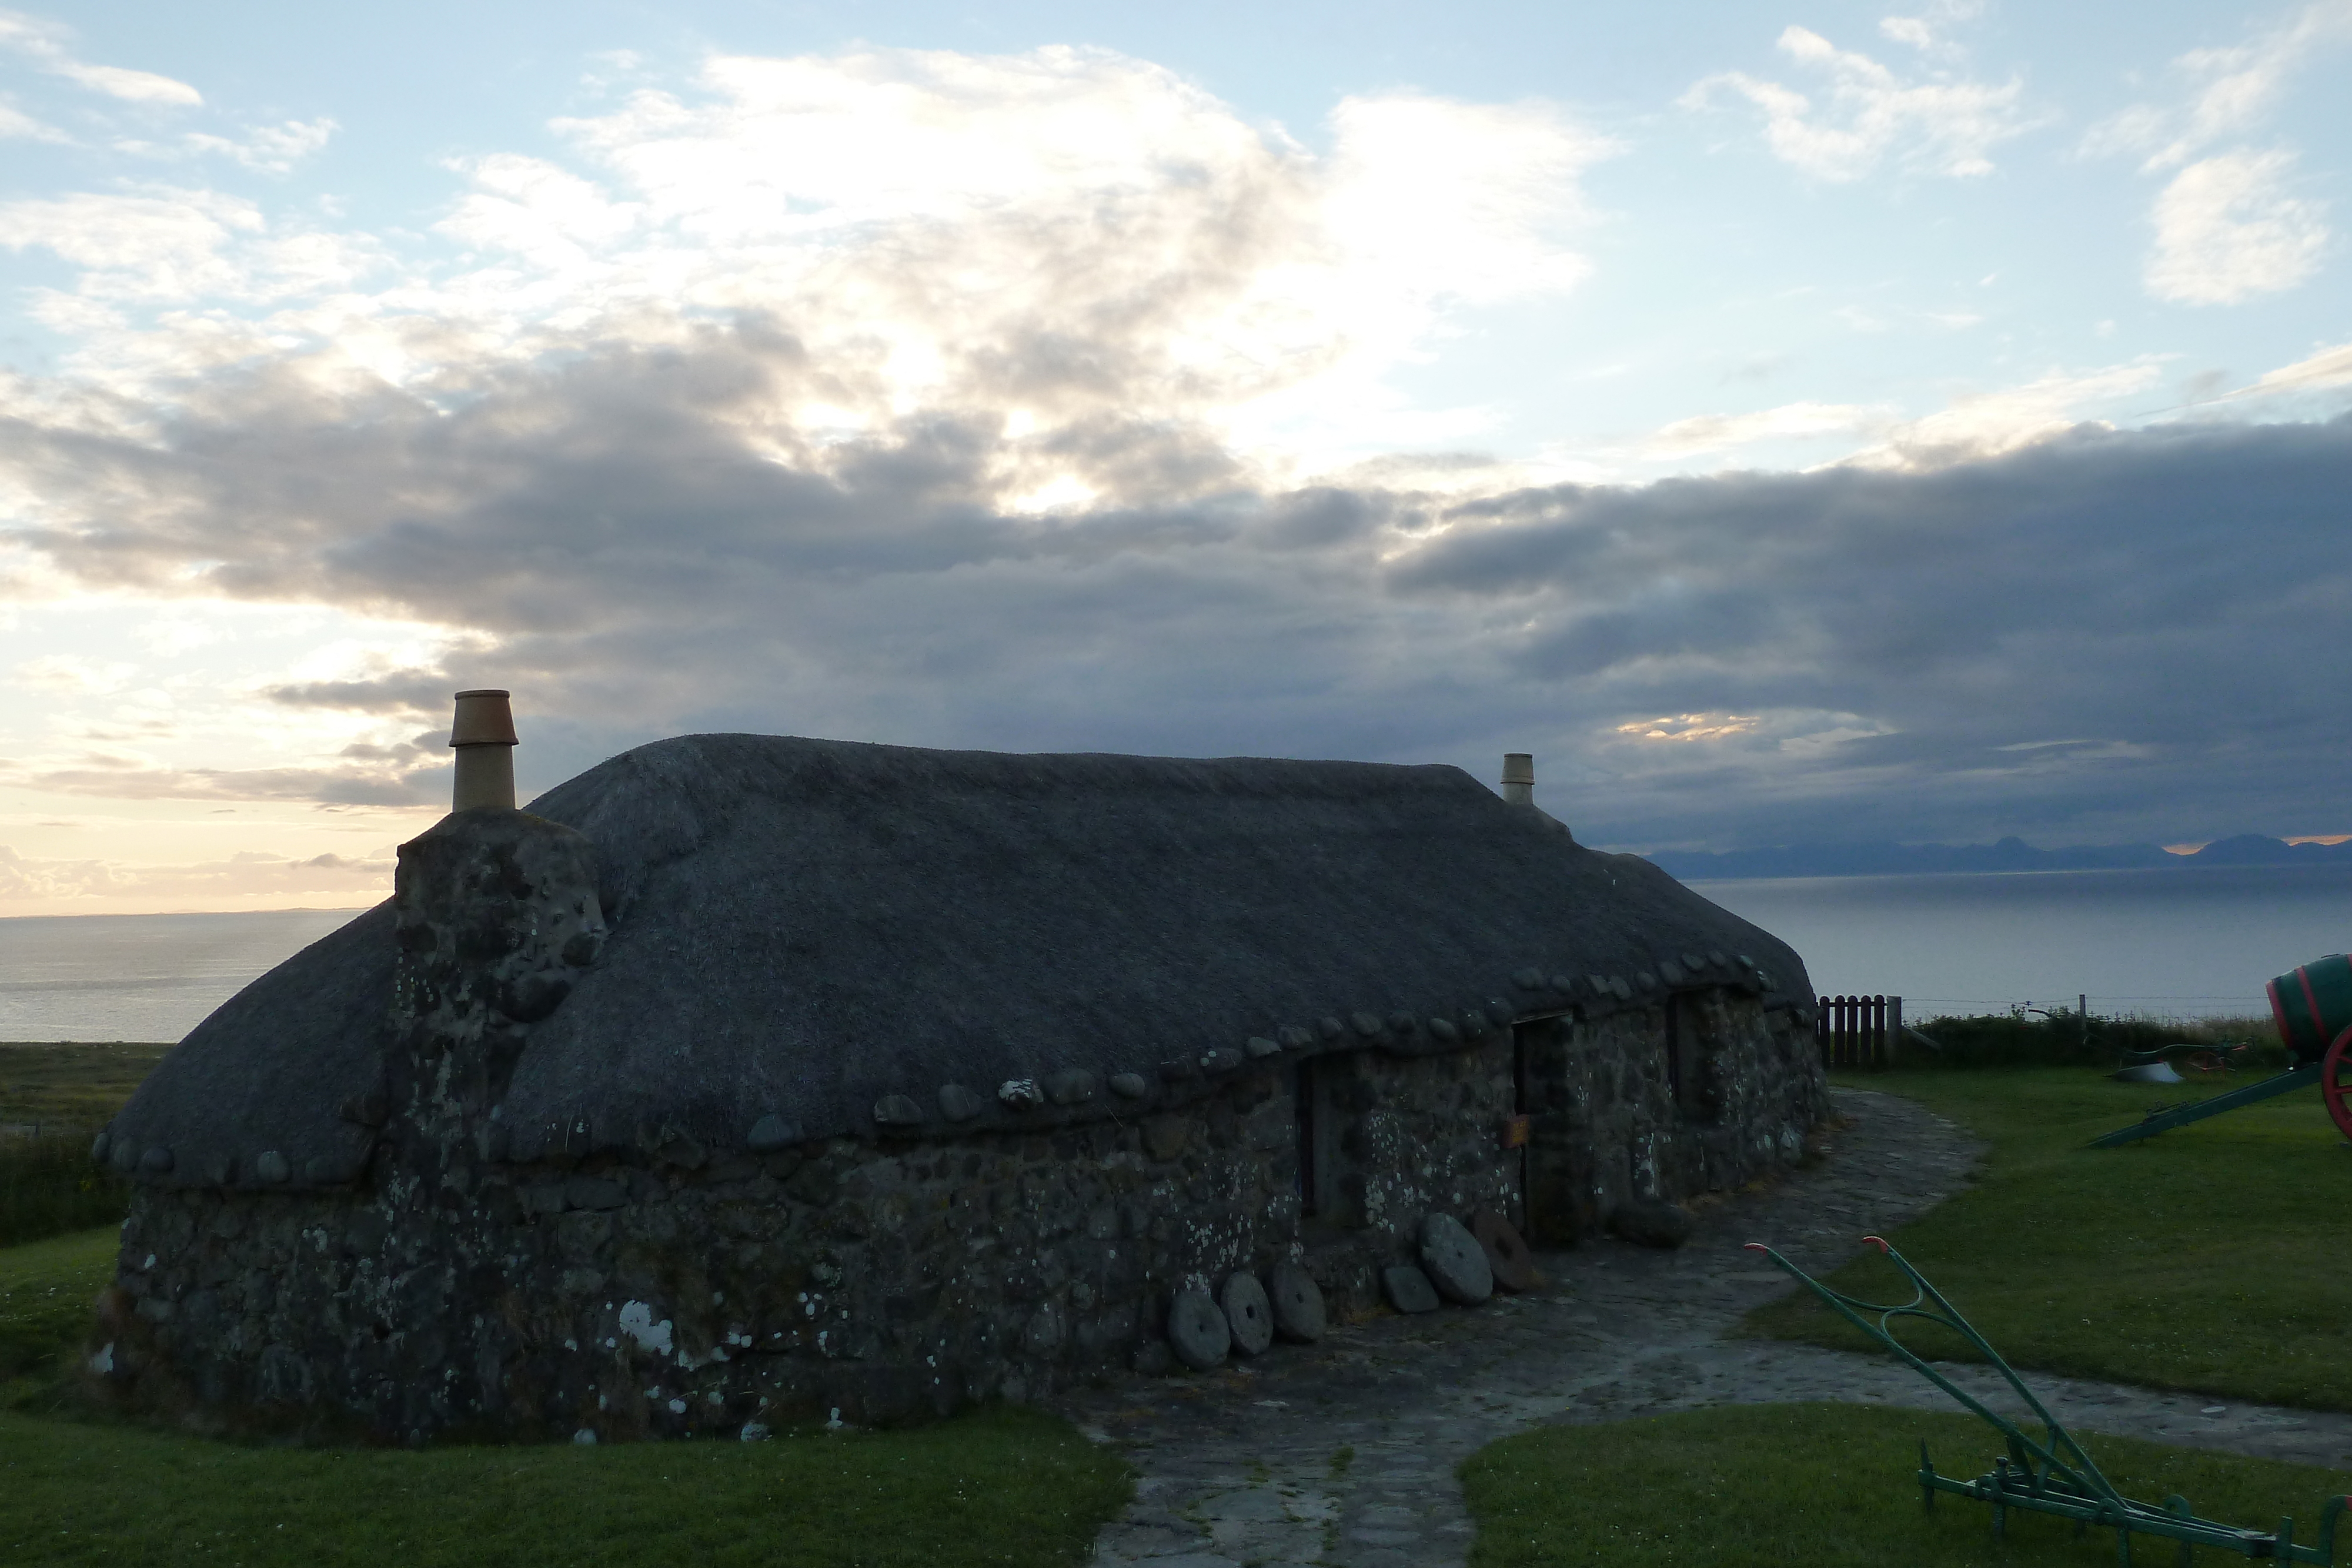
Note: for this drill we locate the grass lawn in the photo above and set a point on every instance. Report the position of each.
(1766, 1486)
(996, 1487)
(993, 1486)
(2210, 1258)
(53, 1099)
(70, 1085)
(46, 1291)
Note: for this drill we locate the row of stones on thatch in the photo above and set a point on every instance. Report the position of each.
(1069, 1088)
(270, 1167)
(1077, 1086)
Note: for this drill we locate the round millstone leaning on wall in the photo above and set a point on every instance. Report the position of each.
(1248, 1315)
(1454, 1262)
(1408, 1288)
(1507, 1254)
(1298, 1303)
(1197, 1331)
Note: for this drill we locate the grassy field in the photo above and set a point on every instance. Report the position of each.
(48, 1187)
(995, 1487)
(53, 1099)
(46, 1291)
(69, 1086)
(2210, 1258)
(1828, 1486)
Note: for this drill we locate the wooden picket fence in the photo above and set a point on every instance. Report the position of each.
(1853, 1031)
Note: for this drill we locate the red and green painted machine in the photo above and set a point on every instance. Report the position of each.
(2312, 1008)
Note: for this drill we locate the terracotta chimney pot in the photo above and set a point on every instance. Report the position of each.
(483, 734)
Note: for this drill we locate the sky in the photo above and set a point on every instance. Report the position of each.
(1791, 422)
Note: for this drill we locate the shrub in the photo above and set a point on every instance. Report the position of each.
(2020, 1039)
(48, 1187)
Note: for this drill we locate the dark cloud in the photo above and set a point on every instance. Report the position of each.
(646, 545)
(410, 692)
(120, 779)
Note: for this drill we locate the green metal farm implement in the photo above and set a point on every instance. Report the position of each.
(2312, 1008)
(2050, 1474)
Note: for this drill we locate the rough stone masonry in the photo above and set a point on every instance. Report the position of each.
(747, 1079)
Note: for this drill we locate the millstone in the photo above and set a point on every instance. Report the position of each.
(1197, 1331)
(1408, 1288)
(1455, 1263)
(1507, 1254)
(1298, 1303)
(1248, 1313)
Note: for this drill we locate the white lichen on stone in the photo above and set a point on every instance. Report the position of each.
(639, 1323)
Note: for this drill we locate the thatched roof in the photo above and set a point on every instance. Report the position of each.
(818, 937)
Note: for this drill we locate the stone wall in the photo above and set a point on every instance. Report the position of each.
(1701, 1092)
(670, 1291)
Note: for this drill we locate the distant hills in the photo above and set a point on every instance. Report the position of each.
(2008, 854)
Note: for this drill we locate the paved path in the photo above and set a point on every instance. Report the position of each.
(1343, 1453)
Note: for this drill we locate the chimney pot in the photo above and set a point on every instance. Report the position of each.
(1519, 778)
(483, 734)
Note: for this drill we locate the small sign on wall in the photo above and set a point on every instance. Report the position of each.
(1515, 1132)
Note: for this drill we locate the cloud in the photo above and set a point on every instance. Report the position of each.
(2227, 231)
(2228, 226)
(1946, 125)
(170, 247)
(1791, 421)
(129, 777)
(1850, 649)
(662, 457)
(1690, 726)
(43, 43)
(2329, 368)
(70, 673)
(15, 125)
(2227, 91)
(1985, 424)
(1974, 426)
(1900, 631)
(268, 148)
(30, 884)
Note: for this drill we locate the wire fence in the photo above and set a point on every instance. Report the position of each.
(2183, 1010)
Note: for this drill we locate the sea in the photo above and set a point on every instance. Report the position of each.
(2164, 943)
(2160, 944)
(140, 977)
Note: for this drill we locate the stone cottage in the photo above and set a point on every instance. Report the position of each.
(749, 1077)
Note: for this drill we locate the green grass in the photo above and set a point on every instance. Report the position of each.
(46, 1296)
(48, 1187)
(2208, 1258)
(1828, 1486)
(70, 1085)
(66, 1092)
(999, 1486)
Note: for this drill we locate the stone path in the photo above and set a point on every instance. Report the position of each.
(1343, 1453)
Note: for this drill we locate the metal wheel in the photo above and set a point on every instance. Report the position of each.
(2336, 1082)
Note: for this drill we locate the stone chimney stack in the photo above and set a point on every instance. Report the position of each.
(1519, 778)
(483, 736)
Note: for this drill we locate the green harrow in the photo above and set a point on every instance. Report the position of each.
(2050, 1474)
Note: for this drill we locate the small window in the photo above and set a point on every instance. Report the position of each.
(1688, 1075)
